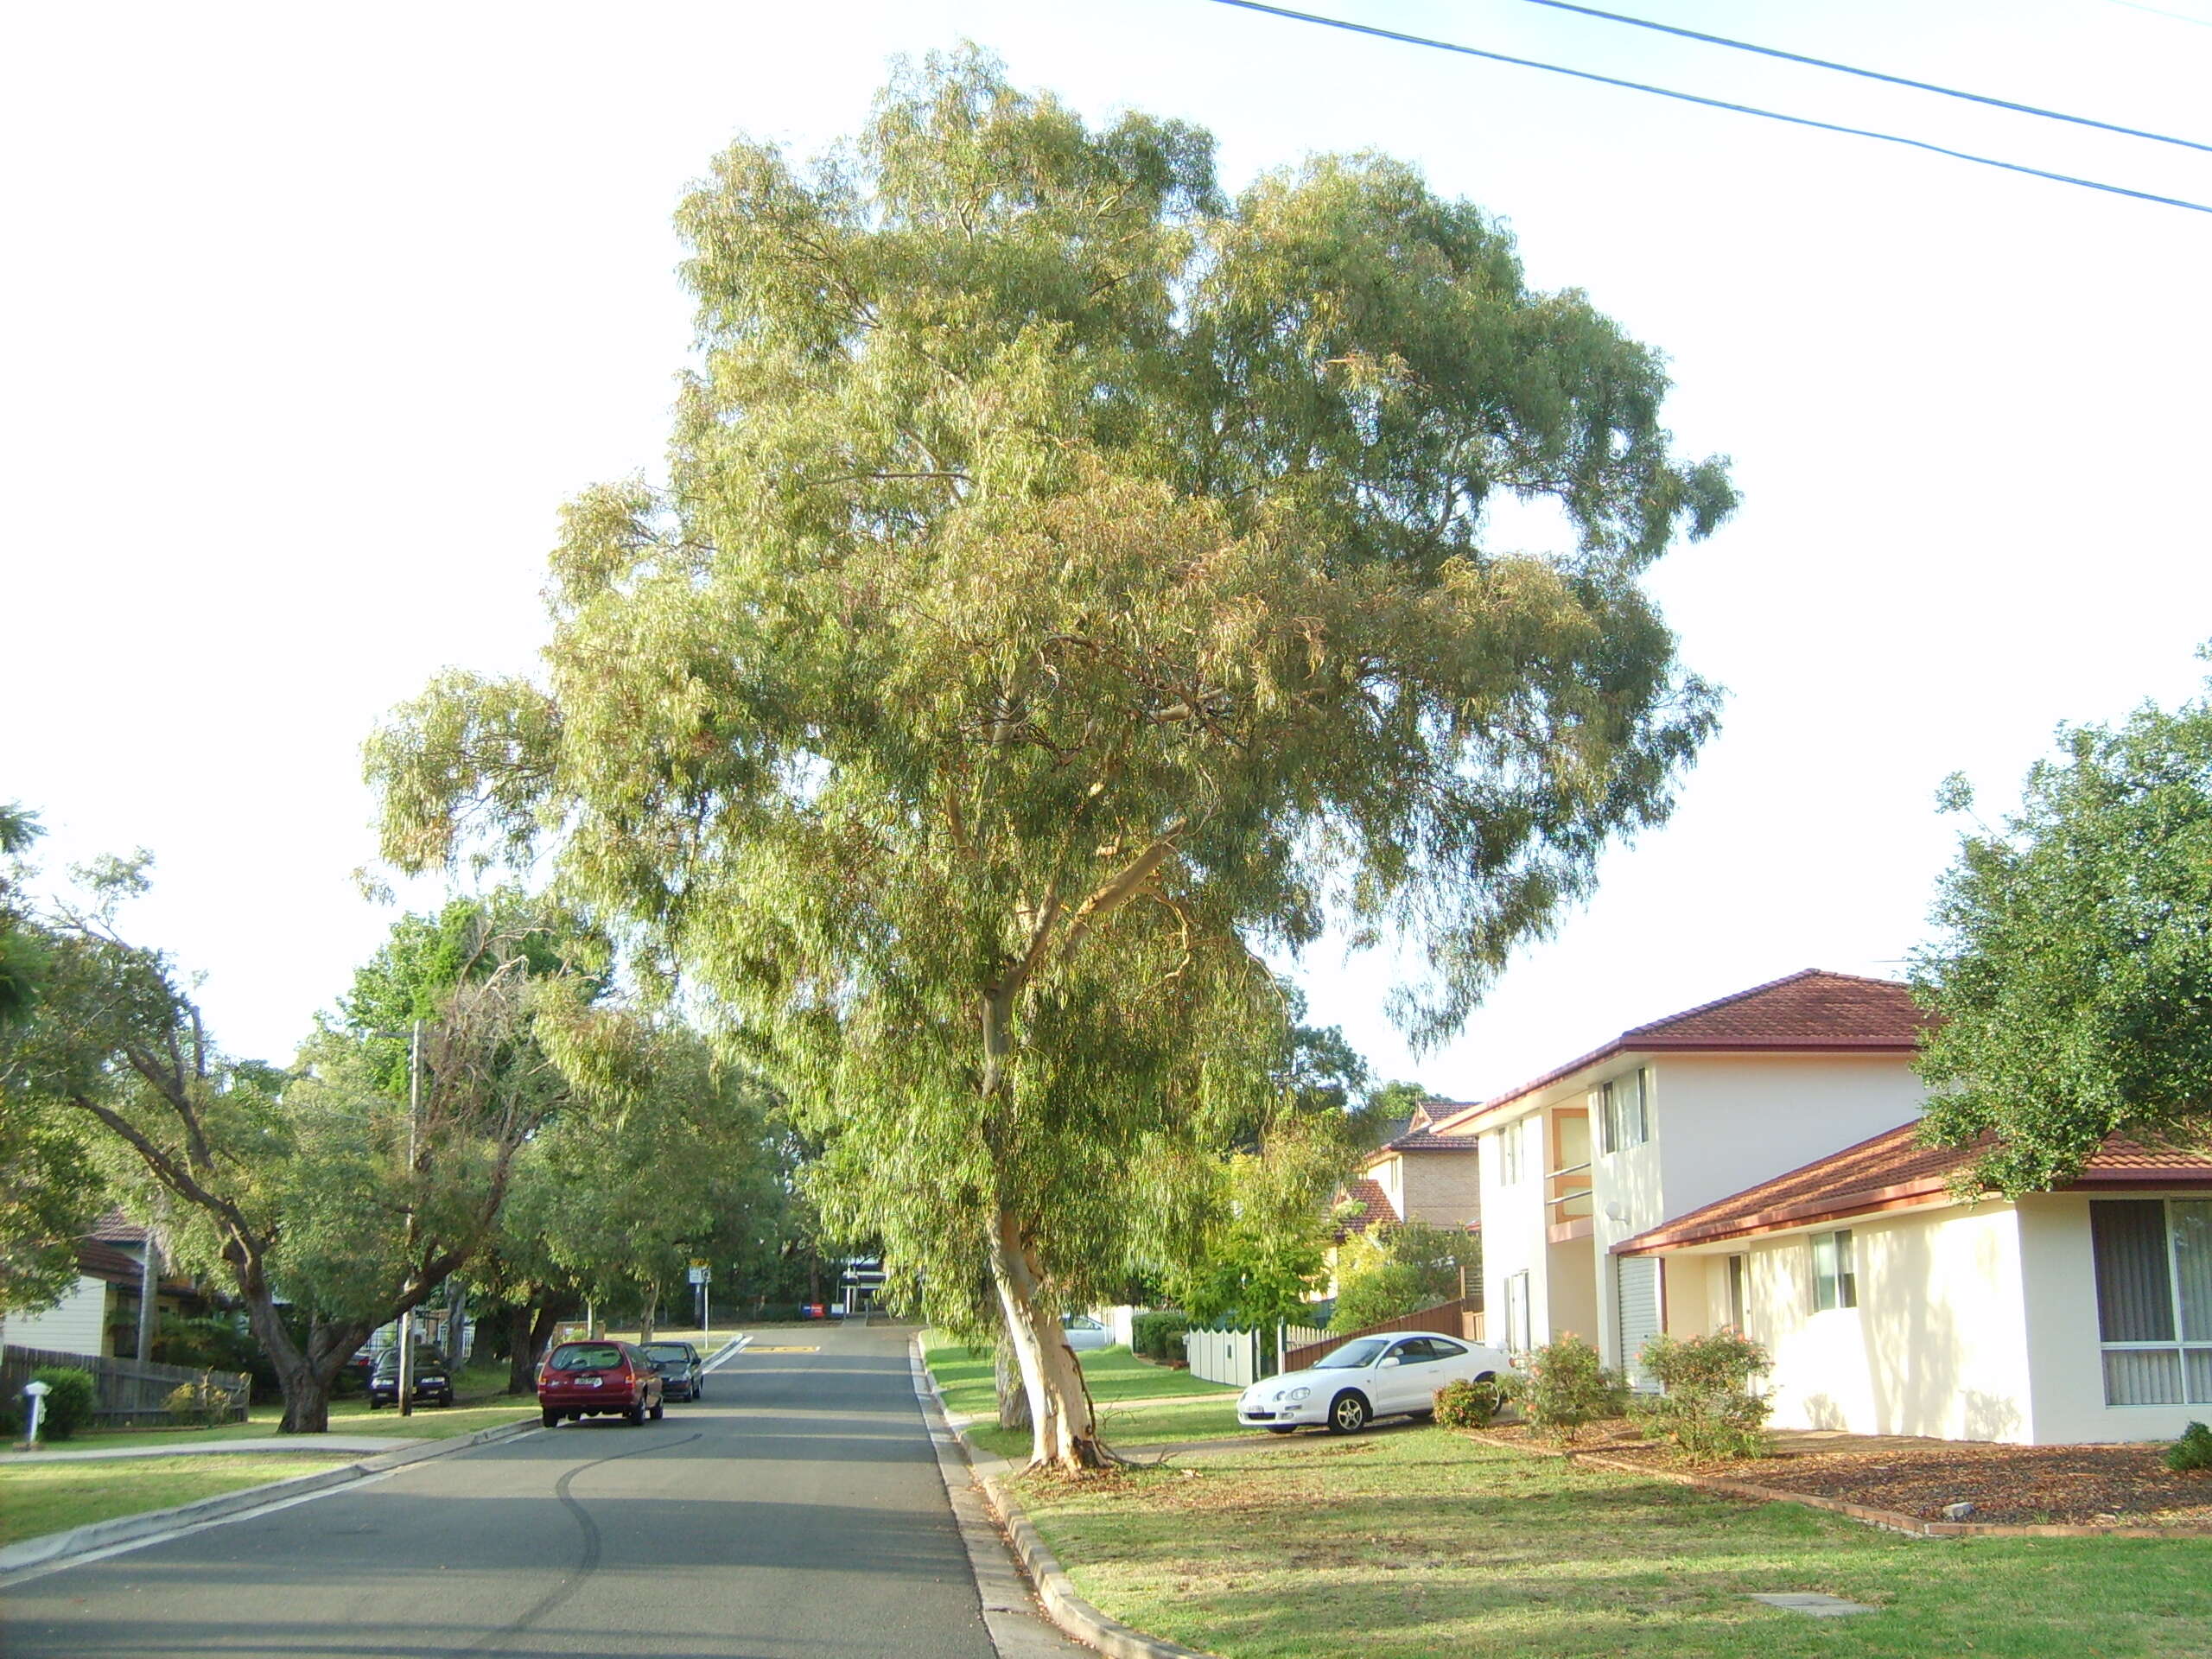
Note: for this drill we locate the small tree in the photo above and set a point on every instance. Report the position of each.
(1397, 1268)
(1564, 1386)
(1709, 1409)
(2074, 972)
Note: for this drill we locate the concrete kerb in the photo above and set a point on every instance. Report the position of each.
(54, 1547)
(1055, 1592)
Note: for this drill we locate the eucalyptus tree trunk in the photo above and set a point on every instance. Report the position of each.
(645, 1319)
(1013, 1394)
(1062, 1430)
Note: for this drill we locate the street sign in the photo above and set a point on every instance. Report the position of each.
(699, 1273)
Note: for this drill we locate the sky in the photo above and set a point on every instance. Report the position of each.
(314, 315)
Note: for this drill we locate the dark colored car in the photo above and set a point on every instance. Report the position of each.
(678, 1365)
(432, 1381)
(595, 1379)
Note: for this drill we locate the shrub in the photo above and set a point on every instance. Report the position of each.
(68, 1403)
(2193, 1451)
(202, 1401)
(1159, 1335)
(1463, 1404)
(1564, 1386)
(1708, 1409)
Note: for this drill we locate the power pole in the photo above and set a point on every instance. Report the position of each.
(407, 1319)
(149, 1281)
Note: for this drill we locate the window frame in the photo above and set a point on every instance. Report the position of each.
(2181, 1344)
(1835, 1288)
(1613, 1114)
(1512, 1152)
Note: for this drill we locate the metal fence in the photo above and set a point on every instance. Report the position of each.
(125, 1391)
(1447, 1319)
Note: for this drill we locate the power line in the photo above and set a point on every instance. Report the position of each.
(2160, 11)
(1714, 102)
(1872, 74)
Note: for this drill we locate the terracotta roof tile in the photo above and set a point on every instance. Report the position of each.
(1892, 1170)
(117, 1227)
(1812, 1011)
(1375, 1206)
(1426, 1141)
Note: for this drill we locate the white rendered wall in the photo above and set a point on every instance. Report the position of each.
(1513, 1231)
(79, 1326)
(2063, 1355)
(1718, 1124)
(1938, 1344)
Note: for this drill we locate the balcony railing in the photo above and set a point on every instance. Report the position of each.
(1565, 1199)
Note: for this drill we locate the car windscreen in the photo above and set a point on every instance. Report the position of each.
(585, 1356)
(1352, 1355)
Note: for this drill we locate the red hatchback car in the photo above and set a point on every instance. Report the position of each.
(590, 1379)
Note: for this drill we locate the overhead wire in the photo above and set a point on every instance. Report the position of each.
(1871, 74)
(1715, 103)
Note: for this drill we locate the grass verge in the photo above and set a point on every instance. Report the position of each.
(1115, 1374)
(478, 1402)
(36, 1498)
(1422, 1542)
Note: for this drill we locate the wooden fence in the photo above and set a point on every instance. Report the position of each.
(1452, 1319)
(125, 1391)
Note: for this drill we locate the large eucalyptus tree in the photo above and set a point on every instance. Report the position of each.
(1068, 585)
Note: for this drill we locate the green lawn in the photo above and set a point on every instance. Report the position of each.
(41, 1498)
(478, 1403)
(1113, 1375)
(1423, 1543)
(1126, 1426)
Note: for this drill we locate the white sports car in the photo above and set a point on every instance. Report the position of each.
(1368, 1377)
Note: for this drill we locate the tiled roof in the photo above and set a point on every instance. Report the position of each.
(1894, 1170)
(98, 1260)
(1809, 1012)
(117, 1227)
(1375, 1206)
(1811, 1009)
(1426, 1141)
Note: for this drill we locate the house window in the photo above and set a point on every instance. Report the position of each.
(1517, 1313)
(2154, 1299)
(1622, 1110)
(1511, 1140)
(1835, 1282)
(1739, 1274)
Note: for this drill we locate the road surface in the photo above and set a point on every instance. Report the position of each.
(795, 1510)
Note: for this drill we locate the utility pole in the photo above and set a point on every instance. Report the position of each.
(149, 1281)
(407, 1319)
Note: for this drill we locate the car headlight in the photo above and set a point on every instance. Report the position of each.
(1299, 1394)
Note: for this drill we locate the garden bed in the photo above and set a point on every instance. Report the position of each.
(2008, 1485)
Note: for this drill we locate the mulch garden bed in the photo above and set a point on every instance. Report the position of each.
(2008, 1485)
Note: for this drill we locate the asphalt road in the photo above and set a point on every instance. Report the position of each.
(795, 1510)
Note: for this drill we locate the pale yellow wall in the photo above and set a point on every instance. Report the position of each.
(1936, 1345)
(2063, 1347)
(77, 1325)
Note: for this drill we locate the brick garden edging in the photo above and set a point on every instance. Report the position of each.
(1865, 1514)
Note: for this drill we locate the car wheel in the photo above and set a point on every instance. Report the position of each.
(635, 1416)
(1282, 1429)
(657, 1413)
(552, 1418)
(1348, 1413)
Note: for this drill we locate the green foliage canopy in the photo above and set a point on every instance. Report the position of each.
(1069, 583)
(2073, 978)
